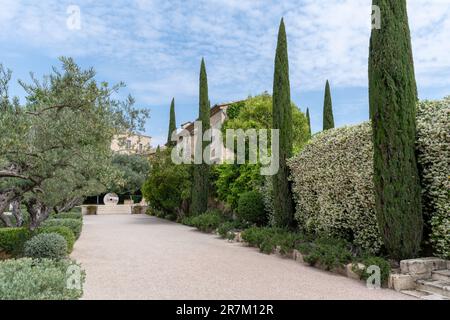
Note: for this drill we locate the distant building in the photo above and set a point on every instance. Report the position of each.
(218, 115)
(131, 144)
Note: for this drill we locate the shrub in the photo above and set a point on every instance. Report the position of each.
(68, 215)
(226, 229)
(251, 208)
(43, 279)
(168, 184)
(63, 231)
(206, 222)
(384, 265)
(333, 187)
(266, 191)
(12, 240)
(433, 146)
(267, 239)
(326, 252)
(73, 224)
(47, 246)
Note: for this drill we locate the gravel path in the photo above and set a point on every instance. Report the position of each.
(142, 257)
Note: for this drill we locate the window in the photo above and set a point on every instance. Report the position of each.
(140, 147)
(128, 144)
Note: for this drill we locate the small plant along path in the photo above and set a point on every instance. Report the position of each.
(142, 257)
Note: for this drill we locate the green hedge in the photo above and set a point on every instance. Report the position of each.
(43, 279)
(251, 208)
(206, 222)
(333, 186)
(68, 215)
(65, 232)
(46, 246)
(73, 224)
(12, 240)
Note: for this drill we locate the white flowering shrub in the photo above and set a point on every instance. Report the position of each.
(333, 187)
(433, 146)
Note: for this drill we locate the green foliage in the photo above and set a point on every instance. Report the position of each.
(46, 246)
(392, 100)
(200, 185)
(327, 252)
(433, 149)
(65, 232)
(282, 120)
(206, 222)
(66, 119)
(225, 230)
(168, 185)
(132, 171)
(267, 239)
(333, 188)
(383, 264)
(67, 215)
(251, 208)
(234, 180)
(328, 118)
(43, 279)
(234, 109)
(172, 123)
(12, 240)
(73, 224)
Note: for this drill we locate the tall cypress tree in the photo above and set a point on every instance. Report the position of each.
(201, 171)
(393, 98)
(172, 123)
(282, 120)
(328, 119)
(309, 121)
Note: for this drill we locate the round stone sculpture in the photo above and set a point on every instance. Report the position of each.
(111, 199)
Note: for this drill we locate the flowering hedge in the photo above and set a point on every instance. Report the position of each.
(333, 187)
(433, 146)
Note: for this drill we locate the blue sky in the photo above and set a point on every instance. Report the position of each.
(155, 47)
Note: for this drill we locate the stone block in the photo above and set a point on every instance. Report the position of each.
(421, 268)
(298, 256)
(400, 282)
(352, 274)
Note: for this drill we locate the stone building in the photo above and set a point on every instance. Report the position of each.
(131, 144)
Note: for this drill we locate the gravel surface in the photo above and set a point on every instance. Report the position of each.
(142, 257)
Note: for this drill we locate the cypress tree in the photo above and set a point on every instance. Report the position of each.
(282, 120)
(172, 123)
(328, 119)
(393, 98)
(201, 171)
(309, 121)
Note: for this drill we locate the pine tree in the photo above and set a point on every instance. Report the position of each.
(393, 98)
(172, 123)
(309, 121)
(201, 171)
(282, 120)
(328, 119)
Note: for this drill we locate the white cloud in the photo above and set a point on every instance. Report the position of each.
(327, 40)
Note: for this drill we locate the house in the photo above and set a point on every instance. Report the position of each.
(218, 115)
(131, 144)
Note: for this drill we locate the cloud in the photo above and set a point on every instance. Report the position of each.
(166, 40)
